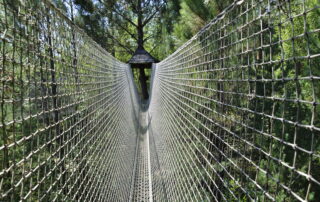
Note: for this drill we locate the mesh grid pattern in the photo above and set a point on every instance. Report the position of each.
(65, 133)
(141, 184)
(235, 111)
(233, 115)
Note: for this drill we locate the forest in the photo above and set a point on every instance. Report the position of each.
(242, 77)
(166, 24)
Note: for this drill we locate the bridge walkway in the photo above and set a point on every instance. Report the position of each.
(142, 180)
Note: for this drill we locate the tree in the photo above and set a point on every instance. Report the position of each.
(195, 14)
(121, 26)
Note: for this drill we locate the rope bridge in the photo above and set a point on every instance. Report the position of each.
(233, 113)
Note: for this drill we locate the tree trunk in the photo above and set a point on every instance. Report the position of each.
(140, 25)
(143, 82)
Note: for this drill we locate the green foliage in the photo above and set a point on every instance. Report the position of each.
(293, 42)
(194, 15)
(282, 66)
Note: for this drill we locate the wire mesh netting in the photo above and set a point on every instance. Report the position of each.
(68, 110)
(235, 111)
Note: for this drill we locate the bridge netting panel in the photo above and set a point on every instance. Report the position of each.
(67, 111)
(235, 111)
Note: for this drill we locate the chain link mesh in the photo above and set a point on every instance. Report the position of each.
(235, 111)
(68, 110)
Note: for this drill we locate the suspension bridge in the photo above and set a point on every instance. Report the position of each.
(233, 114)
